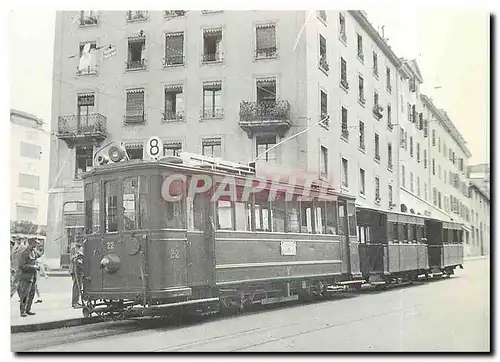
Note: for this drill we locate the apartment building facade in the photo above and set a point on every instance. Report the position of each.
(232, 84)
(480, 234)
(29, 145)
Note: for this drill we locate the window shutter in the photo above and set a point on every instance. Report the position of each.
(135, 106)
(266, 36)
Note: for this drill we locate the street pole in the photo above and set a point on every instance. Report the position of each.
(292, 136)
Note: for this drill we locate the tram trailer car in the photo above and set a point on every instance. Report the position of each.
(145, 256)
(396, 247)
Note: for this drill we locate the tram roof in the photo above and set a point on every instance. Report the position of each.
(132, 165)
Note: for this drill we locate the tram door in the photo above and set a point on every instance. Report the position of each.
(348, 238)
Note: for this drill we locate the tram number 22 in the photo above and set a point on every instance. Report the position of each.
(110, 245)
(175, 254)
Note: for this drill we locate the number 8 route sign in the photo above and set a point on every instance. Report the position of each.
(153, 148)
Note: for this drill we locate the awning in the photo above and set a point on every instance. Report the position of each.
(172, 143)
(212, 141)
(175, 34)
(134, 91)
(212, 85)
(174, 87)
(135, 144)
(213, 31)
(263, 26)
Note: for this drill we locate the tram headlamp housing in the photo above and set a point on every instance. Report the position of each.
(110, 263)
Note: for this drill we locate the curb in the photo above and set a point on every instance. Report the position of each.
(58, 274)
(476, 257)
(36, 327)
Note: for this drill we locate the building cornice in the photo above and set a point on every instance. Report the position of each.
(368, 27)
(472, 184)
(447, 124)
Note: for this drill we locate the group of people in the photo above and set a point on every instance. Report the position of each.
(26, 269)
(25, 272)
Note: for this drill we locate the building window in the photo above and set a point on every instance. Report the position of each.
(377, 147)
(361, 55)
(265, 38)
(343, 33)
(411, 146)
(439, 199)
(418, 152)
(402, 137)
(343, 74)
(30, 150)
(136, 53)
(361, 90)
(362, 184)
(322, 15)
(26, 213)
(426, 128)
(434, 137)
(410, 119)
(211, 147)
(433, 167)
(390, 195)
(85, 109)
(439, 172)
(345, 170)
(88, 17)
(375, 64)
(324, 105)
(411, 181)
(84, 159)
(345, 130)
(323, 59)
(212, 100)
(434, 196)
(174, 103)
(389, 156)
(425, 159)
(377, 190)
(413, 114)
(174, 49)
(361, 135)
(29, 181)
(425, 191)
(137, 15)
(88, 58)
(420, 121)
(212, 41)
(389, 117)
(388, 79)
(264, 143)
(412, 85)
(135, 106)
(403, 178)
(135, 151)
(324, 162)
(172, 148)
(439, 144)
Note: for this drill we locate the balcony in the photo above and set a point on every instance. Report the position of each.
(212, 57)
(137, 64)
(173, 61)
(137, 15)
(88, 20)
(265, 116)
(169, 14)
(79, 130)
(323, 63)
(266, 53)
(377, 111)
(172, 116)
(212, 113)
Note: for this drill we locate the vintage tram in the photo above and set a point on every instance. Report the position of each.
(148, 255)
(192, 233)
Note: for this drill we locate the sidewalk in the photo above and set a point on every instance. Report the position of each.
(54, 312)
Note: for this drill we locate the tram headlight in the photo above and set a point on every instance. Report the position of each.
(110, 263)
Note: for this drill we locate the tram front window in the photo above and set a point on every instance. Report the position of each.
(92, 224)
(293, 217)
(130, 200)
(243, 216)
(111, 206)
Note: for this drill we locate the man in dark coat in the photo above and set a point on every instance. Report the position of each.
(76, 271)
(28, 268)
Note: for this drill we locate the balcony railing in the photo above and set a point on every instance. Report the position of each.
(90, 70)
(82, 129)
(362, 99)
(323, 63)
(377, 111)
(173, 60)
(263, 53)
(377, 157)
(173, 116)
(137, 15)
(212, 112)
(362, 145)
(389, 88)
(174, 13)
(273, 116)
(212, 57)
(88, 20)
(343, 36)
(136, 64)
(344, 133)
(344, 83)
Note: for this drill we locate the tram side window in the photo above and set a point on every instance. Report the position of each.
(419, 233)
(392, 231)
(341, 219)
(351, 214)
(445, 236)
(243, 216)
(278, 215)
(331, 218)
(201, 210)
(320, 217)
(166, 214)
(293, 215)
(262, 213)
(92, 222)
(224, 212)
(111, 206)
(134, 202)
(307, 217)
(414, 236)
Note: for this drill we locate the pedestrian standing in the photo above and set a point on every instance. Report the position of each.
(76, 270)
(28, 267)
(20, 246)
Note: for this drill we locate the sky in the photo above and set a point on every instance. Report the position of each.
(451, 48)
